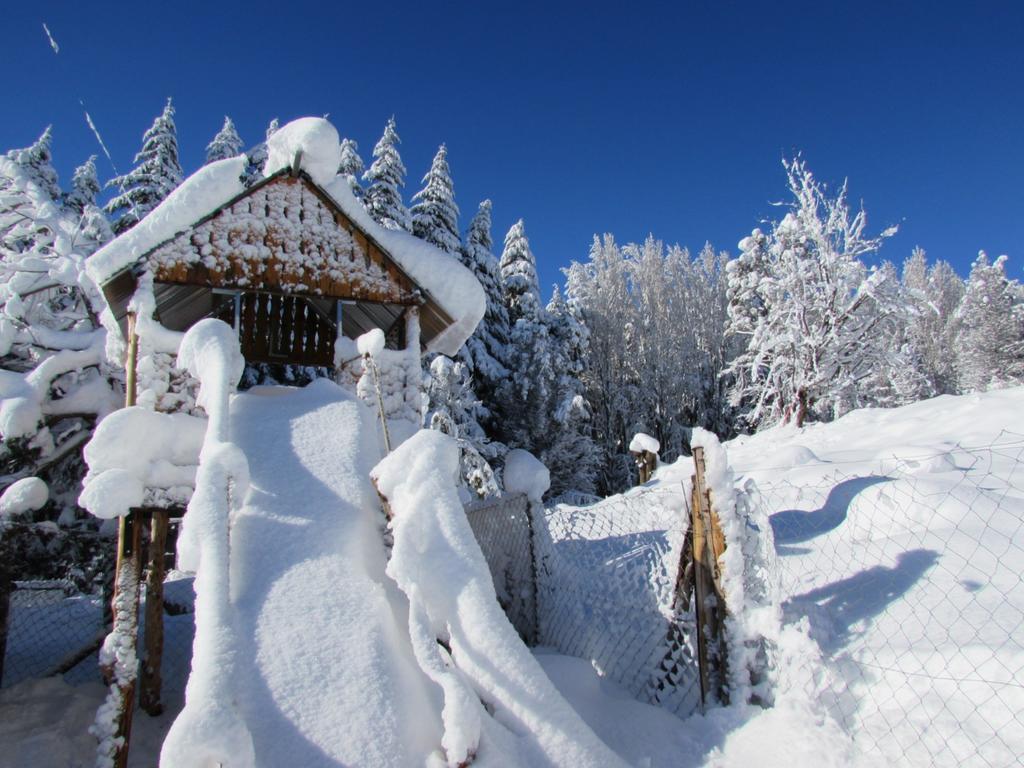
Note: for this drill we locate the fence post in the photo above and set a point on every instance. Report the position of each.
(150, 687)
(710, 607)
(126, 591)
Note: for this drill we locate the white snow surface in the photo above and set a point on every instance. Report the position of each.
(437, 563)
(25, 495)
(318, 142)
(644, 442)
(371, 343)
(201, 193)
(898, 551)
(524, 473)
(453, 286)
(320, 668)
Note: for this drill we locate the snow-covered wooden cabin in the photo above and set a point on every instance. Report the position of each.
(291, 262)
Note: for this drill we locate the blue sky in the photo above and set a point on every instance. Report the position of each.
(581, 118)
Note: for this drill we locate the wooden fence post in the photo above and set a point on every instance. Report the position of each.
(150, 687)
(710, 607)
(126, 589)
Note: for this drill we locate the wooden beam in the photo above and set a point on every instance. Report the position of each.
(151, 684)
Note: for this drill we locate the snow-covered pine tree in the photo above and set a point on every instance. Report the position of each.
(227, 143)
(384, 181)
(157, 172)
(36, 163)
(351, 166)
(257, 156)
(451, 410)
(435, 216)
(600, 288)
(525, 394)
(807, 329)
(569, 451)
(486, 351)
(990, 348)
(93, 227)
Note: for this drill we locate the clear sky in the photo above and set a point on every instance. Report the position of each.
(583, 118)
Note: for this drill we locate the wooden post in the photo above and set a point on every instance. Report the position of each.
(646, 463)
(150, 689)
(710, 607)
(126, 590)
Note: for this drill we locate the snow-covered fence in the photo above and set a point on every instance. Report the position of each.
(907, 572)
(51, 609)
(607, 591)
(504, 530)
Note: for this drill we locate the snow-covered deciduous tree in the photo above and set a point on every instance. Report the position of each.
(801, 302)
(155, 175)
(451, 411)
(435, 216)
(932, 296)
(486, 350)
(351, 166)
(990, 347)
(227, 143)
(600, 288)
(384, 181)
(52, 387)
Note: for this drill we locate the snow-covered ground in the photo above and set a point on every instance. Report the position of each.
(899, 543)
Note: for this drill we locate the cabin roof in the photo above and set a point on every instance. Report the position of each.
(386, 271)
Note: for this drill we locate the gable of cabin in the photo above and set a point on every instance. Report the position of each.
(287, 268)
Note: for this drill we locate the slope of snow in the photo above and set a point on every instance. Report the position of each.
(324, 672)
(900, 545)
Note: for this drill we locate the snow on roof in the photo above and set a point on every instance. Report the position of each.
(318, 142)
(443, 277)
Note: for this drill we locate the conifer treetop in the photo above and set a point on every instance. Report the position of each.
(435, 214)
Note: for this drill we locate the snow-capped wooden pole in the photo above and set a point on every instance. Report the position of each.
(709, 605)
(118, 659)
(644, 450)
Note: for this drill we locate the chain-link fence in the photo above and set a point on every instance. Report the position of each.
(599, 582)
(907, 572)
(607, 580)
(56, 626)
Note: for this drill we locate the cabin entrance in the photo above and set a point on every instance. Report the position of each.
(281, 328)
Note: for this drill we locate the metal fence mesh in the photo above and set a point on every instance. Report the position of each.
(503, 529)
(908, 575)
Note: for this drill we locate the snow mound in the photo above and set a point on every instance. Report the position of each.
(371, 343)
(524, 473)
(26, 495)
(437, 563)
(112, 493)
(643, 442)
(318, 142)
(915, 460)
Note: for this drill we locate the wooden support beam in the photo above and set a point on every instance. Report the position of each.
(150, 689)
(126, 591)
(710, 607)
